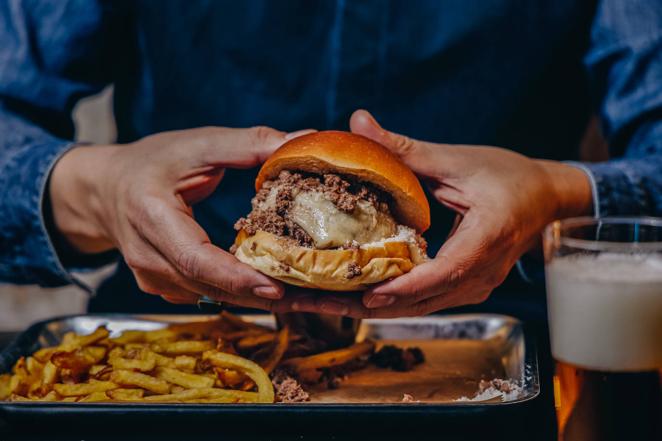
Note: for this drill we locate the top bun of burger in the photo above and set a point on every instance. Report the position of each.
(357, 156)
(318, 174)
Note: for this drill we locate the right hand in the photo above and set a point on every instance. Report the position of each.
(137, 198)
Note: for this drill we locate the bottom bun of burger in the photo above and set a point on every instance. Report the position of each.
(351, 269)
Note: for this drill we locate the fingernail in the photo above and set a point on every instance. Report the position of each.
(268, 292)
(334, 308)
(380, 301)
(298, 133)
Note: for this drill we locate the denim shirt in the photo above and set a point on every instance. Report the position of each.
(524, 75)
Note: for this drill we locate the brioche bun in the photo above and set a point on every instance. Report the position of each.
(281, 259)
(367, 161)
(354, 155)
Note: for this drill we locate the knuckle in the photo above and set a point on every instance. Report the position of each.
(404, 145)
(188, 263)
(262, 134)
(455, 278)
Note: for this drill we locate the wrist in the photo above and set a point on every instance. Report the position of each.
(76, 197)
(571, 188)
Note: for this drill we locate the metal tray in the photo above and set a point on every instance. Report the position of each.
(485, 345)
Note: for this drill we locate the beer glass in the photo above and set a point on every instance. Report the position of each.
(604, 299)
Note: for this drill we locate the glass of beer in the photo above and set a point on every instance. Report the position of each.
(604, 299)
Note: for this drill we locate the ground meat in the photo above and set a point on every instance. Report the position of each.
(265, 220)
(273, 218)
(353, 270)
(504, 386)
(287, 389)
(398, 359)
(337, 191)
(298, 234)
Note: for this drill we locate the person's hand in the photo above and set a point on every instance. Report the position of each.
(503, 201)
(137, 198)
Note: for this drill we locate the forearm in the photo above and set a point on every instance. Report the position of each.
(76, 199)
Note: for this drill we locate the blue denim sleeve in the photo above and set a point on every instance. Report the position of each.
(51, 54)
(624, 62)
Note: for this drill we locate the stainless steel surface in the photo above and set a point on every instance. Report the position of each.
(462, 349)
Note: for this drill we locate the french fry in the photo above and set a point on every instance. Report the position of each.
(94, 397)
(184, 379)
(128, 337)
(239, 324)
(229, 377)
(331, 358)
(80, 359)
(19, 384)
(80, 341)
(44, 354)
(182, 347)
(68, 338)
(281, 342)
(256, 373)
(49, 374)
(132, 364)
(161, 360)
(137, 379)
(126, 394)
(253, 341)
(185, 362)
(77, 390)
(5, 390)
(96, 353)
(51, 396)
(20, 369)
(220, 395)
(33, 366)
(160, 334)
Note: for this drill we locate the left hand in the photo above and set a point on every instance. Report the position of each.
(503, 200)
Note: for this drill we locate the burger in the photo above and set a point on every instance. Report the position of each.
(334, 211)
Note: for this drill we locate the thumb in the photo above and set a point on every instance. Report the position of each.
(418, 155)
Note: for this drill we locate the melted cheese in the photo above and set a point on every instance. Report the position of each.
(330, 227)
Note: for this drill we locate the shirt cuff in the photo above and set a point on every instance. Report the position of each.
(594, 186)
(617, 189)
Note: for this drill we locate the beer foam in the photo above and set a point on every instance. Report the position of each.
(611, 267)
(605, 311)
